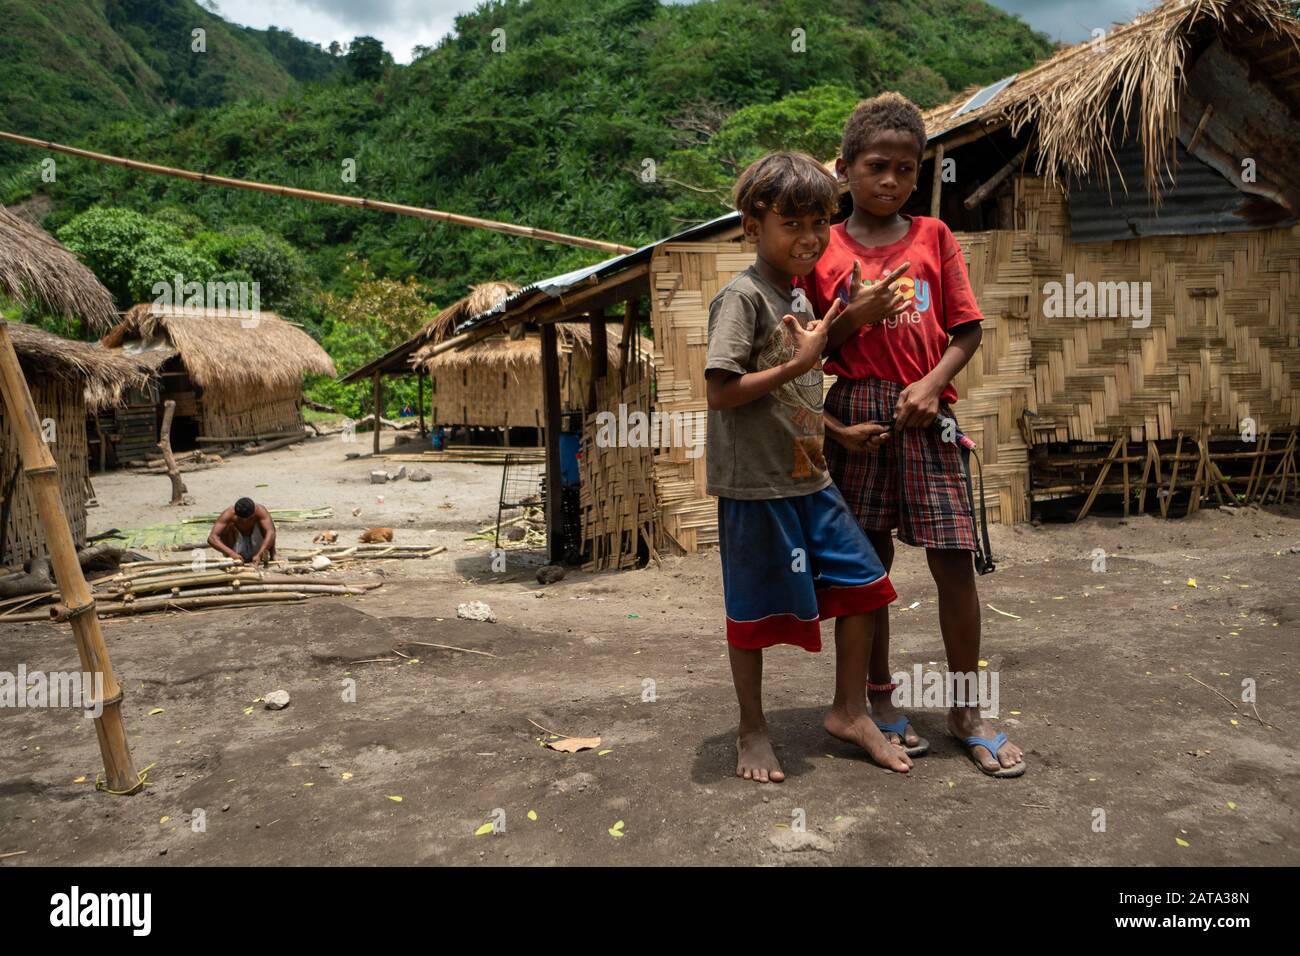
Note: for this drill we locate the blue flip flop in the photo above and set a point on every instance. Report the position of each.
(922, 746)
(993, 746)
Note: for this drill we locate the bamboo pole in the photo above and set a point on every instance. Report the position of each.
(937, 186)
(39, 466)
(527, 232)
(379, 413)
(1101, 478)
(982, 193)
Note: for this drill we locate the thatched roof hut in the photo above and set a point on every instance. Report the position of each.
(1128, 210)
(1082, 102)
(234, 374)
(34, 266)
(64, 377)
(497, 381)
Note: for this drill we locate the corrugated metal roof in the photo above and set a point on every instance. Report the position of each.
(1201, 201)
(556, 286)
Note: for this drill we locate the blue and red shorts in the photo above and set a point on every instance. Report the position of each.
(790, 563)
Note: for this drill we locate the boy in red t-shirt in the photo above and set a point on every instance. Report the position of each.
(909, 324)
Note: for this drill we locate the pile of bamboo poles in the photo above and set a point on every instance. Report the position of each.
(191, 584)
(471, 455)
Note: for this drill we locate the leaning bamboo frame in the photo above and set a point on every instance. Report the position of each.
(1206, 474)
(78, 605)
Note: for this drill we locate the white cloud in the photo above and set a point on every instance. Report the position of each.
(1073, 20)
(399, 24)
(402, 24)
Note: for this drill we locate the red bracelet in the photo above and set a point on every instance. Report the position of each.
(881, 687)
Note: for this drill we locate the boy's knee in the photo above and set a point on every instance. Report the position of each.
(951, 566)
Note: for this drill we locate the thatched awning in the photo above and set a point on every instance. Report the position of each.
(398, 360)
(1080, 100)
(502, 351)
(34, 267)
(226, 350)
(104, 373)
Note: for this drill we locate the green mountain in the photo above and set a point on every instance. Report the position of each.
(547, 113)
(69, 65)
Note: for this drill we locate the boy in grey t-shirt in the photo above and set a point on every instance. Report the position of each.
(792, 553)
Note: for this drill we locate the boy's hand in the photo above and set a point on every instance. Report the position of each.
(873, 304)
(810, 340)
(918, 405)
(866, 436)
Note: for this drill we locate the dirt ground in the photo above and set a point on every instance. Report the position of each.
(1096, 684)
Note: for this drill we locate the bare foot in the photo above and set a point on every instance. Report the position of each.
(966, 722)
(882, 708)
(755, 758)
(859, 729)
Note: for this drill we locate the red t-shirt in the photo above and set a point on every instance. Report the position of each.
(907, 347)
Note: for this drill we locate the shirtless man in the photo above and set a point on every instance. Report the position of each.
(244, 532)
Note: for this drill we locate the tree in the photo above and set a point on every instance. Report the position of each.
(366, 58)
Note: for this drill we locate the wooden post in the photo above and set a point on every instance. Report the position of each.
(1173, 478)
(631, 329)
(599, 357)
(78, 605)
(1124, 453)
(165, 443)
(938, 181)
(551, 406)
(419, 378)
(379, 404)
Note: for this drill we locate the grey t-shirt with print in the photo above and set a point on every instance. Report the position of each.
(770, 447)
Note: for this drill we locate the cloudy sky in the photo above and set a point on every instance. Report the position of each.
(402, 24)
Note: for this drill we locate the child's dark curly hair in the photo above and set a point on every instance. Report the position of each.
(888, 111)
(789, 183)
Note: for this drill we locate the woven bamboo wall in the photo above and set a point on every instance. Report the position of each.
(684, 278)
(1225, 327)
(226, 414)
(65, 403)
(992, 390)
(618, 493)
(494, 395)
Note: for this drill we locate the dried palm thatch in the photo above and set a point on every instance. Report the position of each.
(501, 351)
(227, 350)
(105, 373)
(34, 267)
(1080, 101)
(481, 298)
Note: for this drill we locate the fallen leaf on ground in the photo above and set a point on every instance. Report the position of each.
(1014, 617)
(156, 710)
(617, 829)
(571, 745)
(1191, 582)
(532, 814)
(484, 829)
(395, 799)
(601, 753)
(1181, 842)
(81, 779)
(346, 775)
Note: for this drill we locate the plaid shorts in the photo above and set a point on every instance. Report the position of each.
(934, 508)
